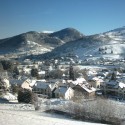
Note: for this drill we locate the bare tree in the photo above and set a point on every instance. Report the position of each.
(36, 102)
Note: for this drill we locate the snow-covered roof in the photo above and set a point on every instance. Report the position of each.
(112, 82)
(101, 80)
(41, 72)
(77, 81)
(32, 82)
(80, 80)
(91, 72)
(121, 85)
(54, 80)
(28, 70)
(95, 78)
(117, 73)
(61, 90)
(88, 89)
(16, 81)
(40, 84)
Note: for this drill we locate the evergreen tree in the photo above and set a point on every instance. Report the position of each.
(15, 72)
(71, 73)
(25, 96)
(113, 77)
(100, 49)
(7, 65)
(34, 72)
(1, 67)
(111, 51)
(47, 74)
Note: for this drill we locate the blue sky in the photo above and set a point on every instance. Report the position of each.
(87, 16)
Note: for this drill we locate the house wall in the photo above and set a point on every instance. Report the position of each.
(83, 94)
(46, 91)
(95, 84)
(92, 94)
(26, 85)
(39, 90)
(69, 94)
(57, 95)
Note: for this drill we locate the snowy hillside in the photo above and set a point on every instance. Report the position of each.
(22, 114)
(113, 35)
(108, 45)
(32, 47)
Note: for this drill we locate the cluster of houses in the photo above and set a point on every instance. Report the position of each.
(59, 88)
(97, 82)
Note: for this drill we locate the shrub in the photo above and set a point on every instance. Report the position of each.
(25, 96)
(100, 110)
(14, 89)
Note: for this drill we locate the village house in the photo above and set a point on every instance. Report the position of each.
(41, 74)
(22, 83)
(121, 78)
(26, 84)
(55, 84)
(41, 87)
(60, 92)
(95, 82)
(114, 89)
(84, 91)
(75, 91)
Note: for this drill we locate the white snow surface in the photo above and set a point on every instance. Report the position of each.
(113, 40)
(23, 114)
(47, 31)
(121, 85)
(9, 96)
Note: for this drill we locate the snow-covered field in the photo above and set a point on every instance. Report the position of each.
(24, 114)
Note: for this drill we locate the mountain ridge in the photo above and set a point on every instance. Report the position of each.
(65, 41)
(34, 40)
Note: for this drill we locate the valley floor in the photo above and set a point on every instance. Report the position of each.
(21, 114)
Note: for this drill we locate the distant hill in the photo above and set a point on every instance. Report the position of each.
(109, 44)
(68, 34)
(40, 42)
